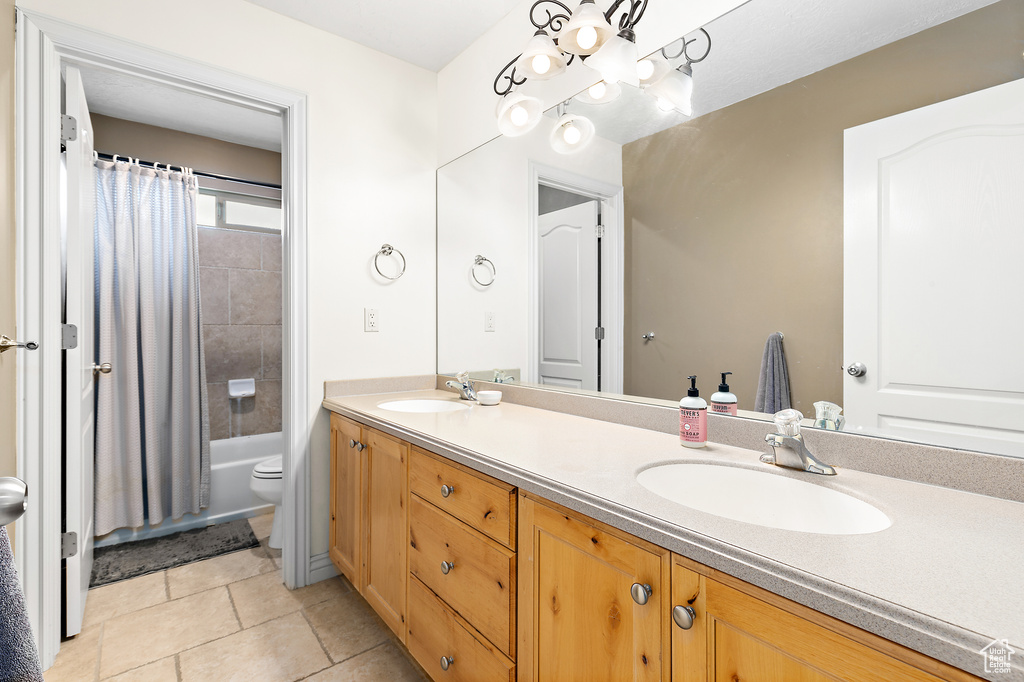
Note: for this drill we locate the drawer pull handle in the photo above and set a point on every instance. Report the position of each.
(447, 490)
(640, 593)
(683, 616)
(447, 662)
(447, 566)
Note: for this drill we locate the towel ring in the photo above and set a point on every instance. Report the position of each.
(387, 250)
(480, 260)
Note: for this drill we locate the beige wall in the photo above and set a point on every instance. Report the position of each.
(8, 464)
(161, 145)
(734, 221)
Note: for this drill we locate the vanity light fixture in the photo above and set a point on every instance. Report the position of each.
(674, 89)
(600, 92)
(572, 132)
(585, 32)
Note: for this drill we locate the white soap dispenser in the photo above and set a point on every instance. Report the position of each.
(693, 418)
(723, 402)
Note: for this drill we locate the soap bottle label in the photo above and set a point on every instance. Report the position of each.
(693, 425)
(724, 408)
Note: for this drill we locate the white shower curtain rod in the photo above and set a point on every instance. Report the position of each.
(202, 174)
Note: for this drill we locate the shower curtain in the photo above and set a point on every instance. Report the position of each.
(152, 414)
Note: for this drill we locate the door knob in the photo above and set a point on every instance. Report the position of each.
(640, 593)
(446, 662)
(683, 616)
(105, 368)
(857, 369)
(447, 566)
(13, 499)
(447, 490)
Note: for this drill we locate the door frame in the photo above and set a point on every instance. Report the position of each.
(612, 267)
(42, 44)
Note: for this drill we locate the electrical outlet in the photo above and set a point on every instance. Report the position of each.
(488, 321)
(371, 320)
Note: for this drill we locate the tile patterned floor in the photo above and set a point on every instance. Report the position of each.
(230, 618)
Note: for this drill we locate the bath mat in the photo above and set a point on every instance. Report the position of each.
(132, 559)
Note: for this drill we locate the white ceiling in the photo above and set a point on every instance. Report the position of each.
(428, 34)
(767, 43)
(113, 93)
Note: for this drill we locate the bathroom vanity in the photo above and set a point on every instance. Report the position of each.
(509, 542)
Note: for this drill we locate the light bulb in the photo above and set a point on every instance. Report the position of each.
(571, 134)
(519, 115)
(586, 37)
(598, 90)
(644, 69)
(541, 64)
(664, 104)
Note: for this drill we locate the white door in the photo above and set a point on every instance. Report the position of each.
(79, 394)
(934, 246)
(568, 290)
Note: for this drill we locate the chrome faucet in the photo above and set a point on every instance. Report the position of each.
(788, 447)
(463, 385)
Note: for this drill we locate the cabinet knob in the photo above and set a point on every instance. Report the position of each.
(360, 447)
(447, 566)
(683, 616)
(447, 662)
(640, 593)
(352, 443)
(447, 490)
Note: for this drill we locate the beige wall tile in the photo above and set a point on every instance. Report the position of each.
(160, 631)
(213, 289)
(272, 252)
(347, 626)
(272, 352)
(232, 352)
(222, 570)
(229, 248)
(386, 662)
(255, 297)
(164, 670)
(278, 651)
(220, 410)
(263, 598)
(78, 658)
(265, 417)
(104, 603)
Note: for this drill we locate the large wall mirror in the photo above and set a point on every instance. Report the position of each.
(863, 202)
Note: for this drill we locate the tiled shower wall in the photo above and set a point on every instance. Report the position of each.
(240, 284)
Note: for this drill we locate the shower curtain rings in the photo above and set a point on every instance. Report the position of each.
(387, 250)
(480, 260)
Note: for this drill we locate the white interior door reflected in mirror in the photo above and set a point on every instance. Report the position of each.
(568, 290)
(933, 243)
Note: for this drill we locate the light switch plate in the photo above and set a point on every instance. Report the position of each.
(371, 320)
(489, 321)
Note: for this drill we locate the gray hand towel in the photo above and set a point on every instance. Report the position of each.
(19, 661)
(773, 382)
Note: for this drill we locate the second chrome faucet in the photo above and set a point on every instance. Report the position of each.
(788, 447)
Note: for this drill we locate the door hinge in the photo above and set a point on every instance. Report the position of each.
(599, 333)
(68, 545)
(68, 128)
(68, 336)
(600, 231)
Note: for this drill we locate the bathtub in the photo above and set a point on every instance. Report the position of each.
(231, 463)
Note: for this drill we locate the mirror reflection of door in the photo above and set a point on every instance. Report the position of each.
(569, 288)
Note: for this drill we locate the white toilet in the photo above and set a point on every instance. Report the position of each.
(267, 482)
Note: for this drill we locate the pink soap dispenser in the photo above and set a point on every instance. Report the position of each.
(693, 418)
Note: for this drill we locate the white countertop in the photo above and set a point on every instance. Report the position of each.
(945, 579)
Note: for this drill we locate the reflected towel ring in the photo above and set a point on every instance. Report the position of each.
(480, 260)
(387, 250)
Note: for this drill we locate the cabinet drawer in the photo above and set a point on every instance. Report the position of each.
(484, 503)
(481, 585)
(436, 632)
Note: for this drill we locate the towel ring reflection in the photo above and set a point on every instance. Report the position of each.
(480, 260)
(387, 250)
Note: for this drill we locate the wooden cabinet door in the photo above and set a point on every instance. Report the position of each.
(346, 499)
(385, 569)
(577, 618)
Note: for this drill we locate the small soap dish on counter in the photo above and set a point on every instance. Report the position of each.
(488, 397)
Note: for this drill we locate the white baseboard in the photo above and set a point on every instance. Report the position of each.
(321, 568)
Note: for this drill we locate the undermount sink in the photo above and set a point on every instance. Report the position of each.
(423, 405)
(763, 498)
